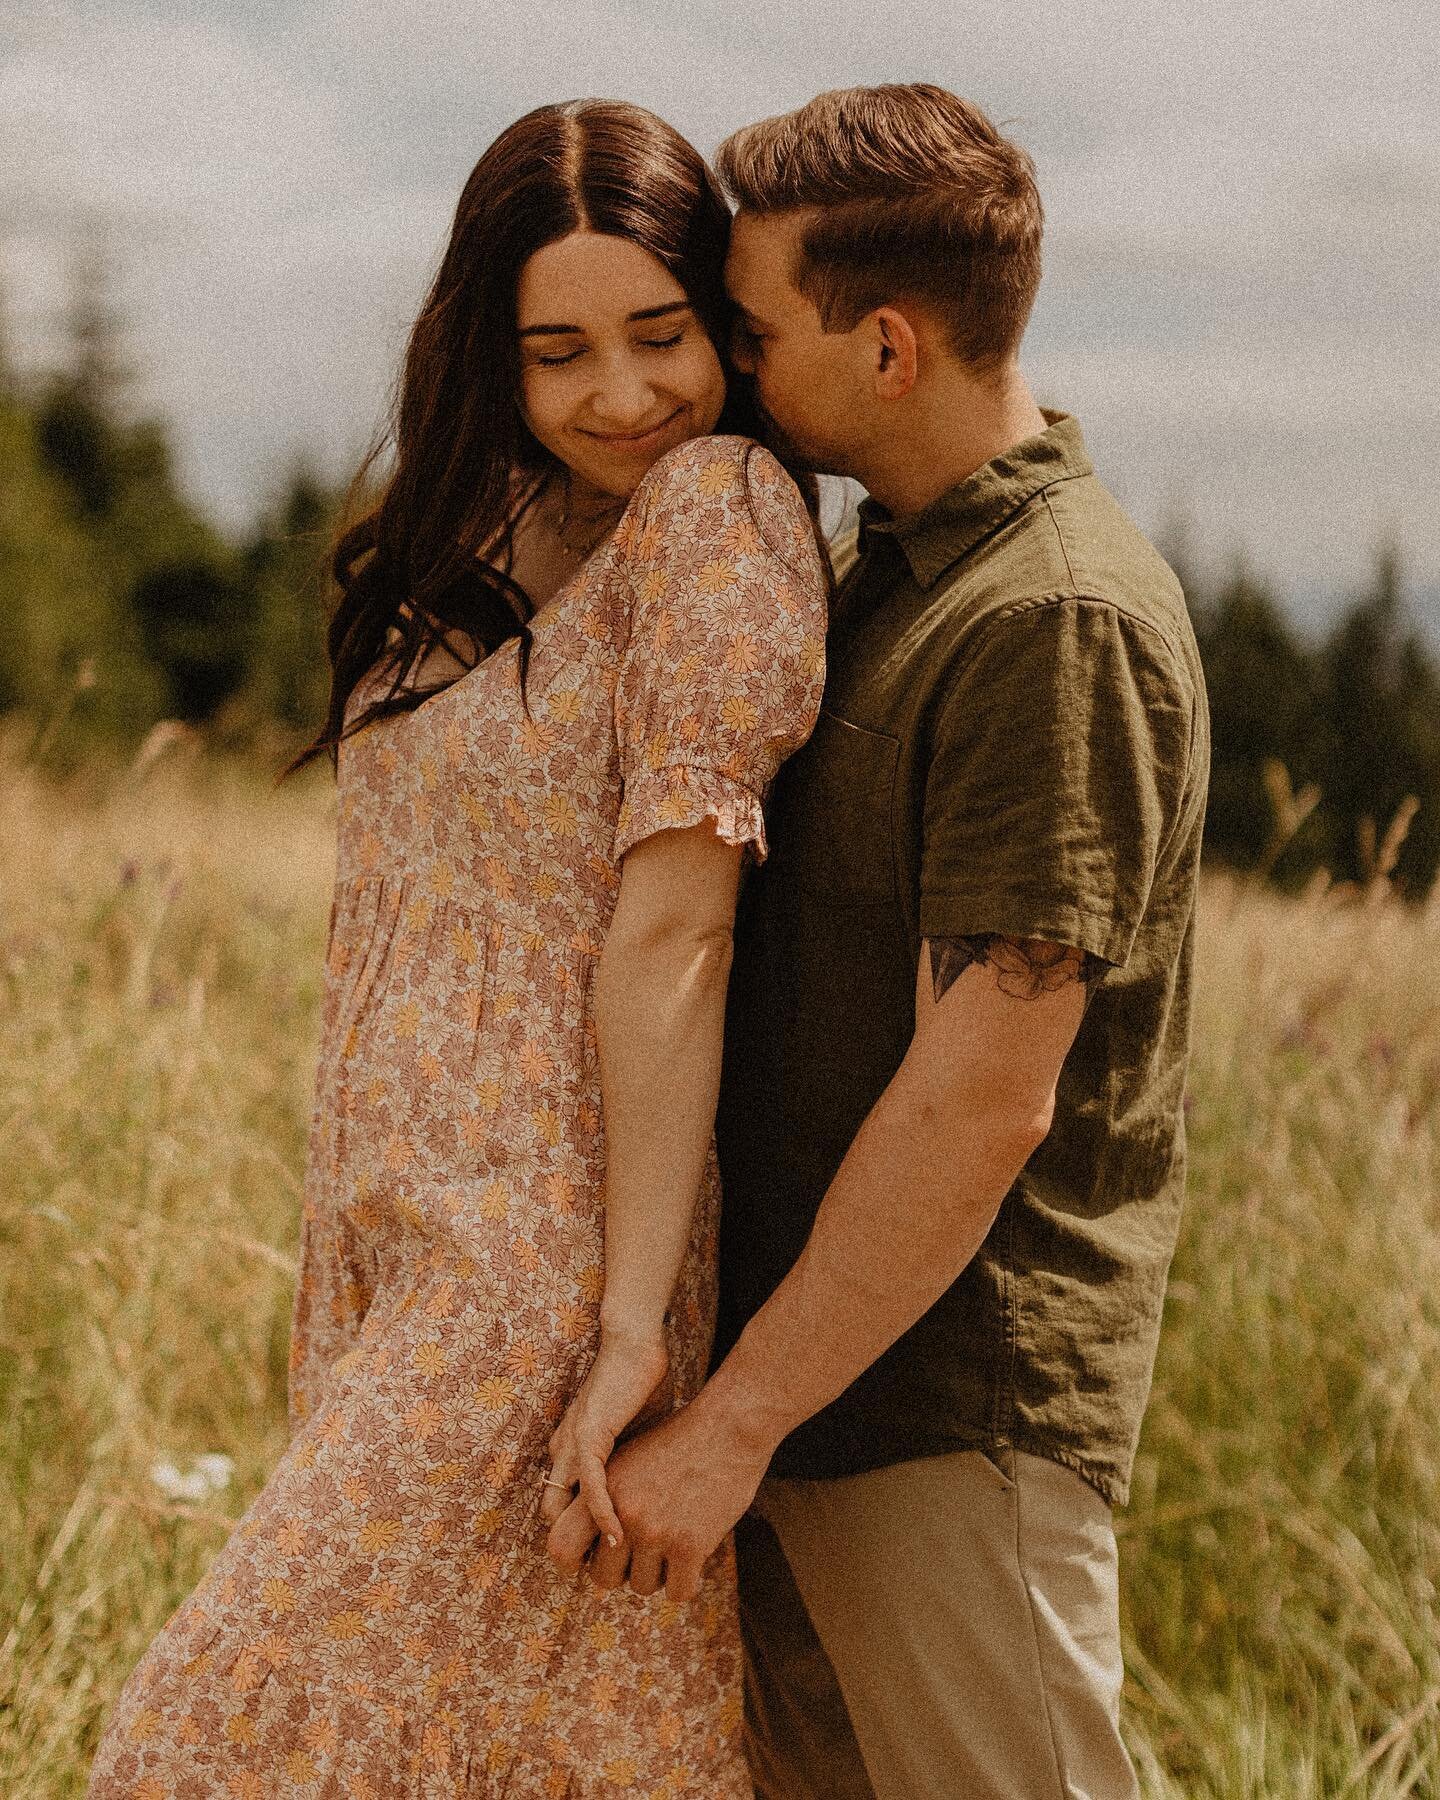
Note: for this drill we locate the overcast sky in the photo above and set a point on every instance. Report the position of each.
(1242, 291)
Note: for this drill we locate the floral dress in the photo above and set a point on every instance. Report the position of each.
(384, 1620)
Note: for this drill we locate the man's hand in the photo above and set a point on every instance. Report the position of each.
(628, 1385)
(678, 1489)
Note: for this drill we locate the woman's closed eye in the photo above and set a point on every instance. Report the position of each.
(559, 362)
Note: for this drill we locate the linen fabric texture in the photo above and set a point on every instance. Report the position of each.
(384, 1620)
(1014, 739)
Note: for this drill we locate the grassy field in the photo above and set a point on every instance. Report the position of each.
(160, 937)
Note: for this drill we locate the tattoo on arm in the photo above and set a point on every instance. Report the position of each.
(1024, 967)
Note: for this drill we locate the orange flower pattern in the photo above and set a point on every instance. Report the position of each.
(383, 1621)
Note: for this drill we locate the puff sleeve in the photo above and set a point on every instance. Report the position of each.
(724, 645)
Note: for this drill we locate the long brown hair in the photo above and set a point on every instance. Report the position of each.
(433, 556)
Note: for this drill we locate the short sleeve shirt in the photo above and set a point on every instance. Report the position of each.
(1014, 739)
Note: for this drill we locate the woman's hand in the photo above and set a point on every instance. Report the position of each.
(628, 1386)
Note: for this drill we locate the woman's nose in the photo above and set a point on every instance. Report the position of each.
(625, 397)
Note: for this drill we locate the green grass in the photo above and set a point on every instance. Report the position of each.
(160, 952)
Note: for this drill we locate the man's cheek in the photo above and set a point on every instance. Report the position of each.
(802, 395)
(775, 397)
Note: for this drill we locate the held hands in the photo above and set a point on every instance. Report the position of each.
(678, 1488)
(629, 1385)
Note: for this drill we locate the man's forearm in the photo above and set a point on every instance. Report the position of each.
(909, 1206)
(907, 1209)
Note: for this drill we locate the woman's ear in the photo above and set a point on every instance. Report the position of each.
(897, 354)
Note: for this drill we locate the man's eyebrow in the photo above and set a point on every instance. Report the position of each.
(634, 318)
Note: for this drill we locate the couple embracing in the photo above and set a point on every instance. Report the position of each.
(672, 868)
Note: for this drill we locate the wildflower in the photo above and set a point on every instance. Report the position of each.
(208, 1474)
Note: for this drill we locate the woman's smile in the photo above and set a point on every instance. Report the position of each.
(633, 440)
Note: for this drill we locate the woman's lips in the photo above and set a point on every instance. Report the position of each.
(630, 442)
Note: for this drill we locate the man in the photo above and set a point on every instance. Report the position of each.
(950, 1124)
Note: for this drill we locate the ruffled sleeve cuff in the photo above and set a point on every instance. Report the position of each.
(680, 794)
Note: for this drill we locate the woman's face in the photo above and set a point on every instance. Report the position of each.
(616, 367)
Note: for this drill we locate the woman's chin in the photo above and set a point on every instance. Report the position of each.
(622, 468)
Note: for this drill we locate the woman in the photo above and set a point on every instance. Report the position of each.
(576, 638)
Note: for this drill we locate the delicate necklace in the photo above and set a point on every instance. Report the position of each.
(596, 525)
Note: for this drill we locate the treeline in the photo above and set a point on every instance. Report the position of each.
(124, 606)
(1326, 754)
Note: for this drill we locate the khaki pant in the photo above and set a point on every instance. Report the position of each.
(946, 1629)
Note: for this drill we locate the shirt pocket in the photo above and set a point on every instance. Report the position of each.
(832, 817)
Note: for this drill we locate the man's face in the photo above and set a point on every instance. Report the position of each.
(810, 382)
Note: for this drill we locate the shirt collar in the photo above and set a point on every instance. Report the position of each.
(954, 523)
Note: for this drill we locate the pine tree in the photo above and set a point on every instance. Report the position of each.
(1378, 736)
(78, 424)
(115, 572)
(286, 563)
(1261, 686)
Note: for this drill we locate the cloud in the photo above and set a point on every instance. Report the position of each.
(185, 125)
(1243, 213)
(260, 266)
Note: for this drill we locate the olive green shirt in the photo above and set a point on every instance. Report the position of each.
(1014, 738)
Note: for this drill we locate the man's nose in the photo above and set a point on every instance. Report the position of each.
(742, 351)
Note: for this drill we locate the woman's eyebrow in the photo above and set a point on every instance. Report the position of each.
(657, 312)
(634, 318)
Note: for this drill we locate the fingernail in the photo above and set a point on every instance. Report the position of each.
(613, 1542)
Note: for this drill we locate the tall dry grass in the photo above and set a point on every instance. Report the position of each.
(159, 966)
(1283, 1545)
(160, 938)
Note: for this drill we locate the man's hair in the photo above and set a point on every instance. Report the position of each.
(915, 195)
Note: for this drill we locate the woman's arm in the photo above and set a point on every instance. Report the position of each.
(660, 1018)
(660, 1015)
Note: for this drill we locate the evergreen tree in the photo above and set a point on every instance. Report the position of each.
(1261, 684)
(77, 441)
(197, 623)
(96, 538)
(1377, 731)
(78, 420)
(286, 563)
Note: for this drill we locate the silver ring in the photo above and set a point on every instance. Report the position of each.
(550, 1481)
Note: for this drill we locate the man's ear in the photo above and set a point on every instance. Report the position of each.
(897, 353)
